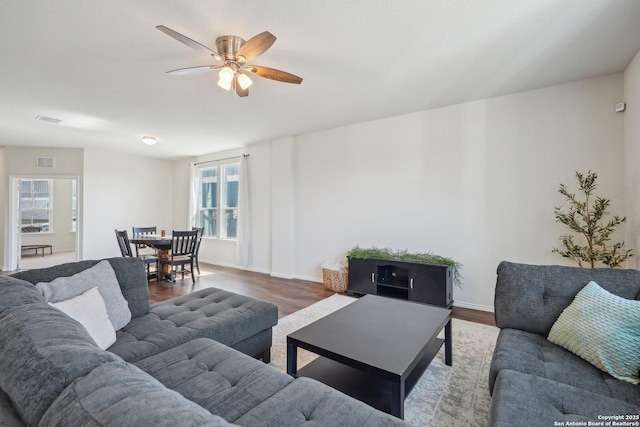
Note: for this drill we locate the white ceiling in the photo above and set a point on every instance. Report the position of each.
(100, 65)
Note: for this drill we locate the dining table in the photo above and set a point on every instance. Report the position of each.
(159, 242)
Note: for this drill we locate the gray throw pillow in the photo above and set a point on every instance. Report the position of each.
(100, 275)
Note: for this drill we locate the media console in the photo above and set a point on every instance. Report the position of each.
(427, 283)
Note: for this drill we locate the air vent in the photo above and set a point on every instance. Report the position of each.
(48, 119)
(46, 162)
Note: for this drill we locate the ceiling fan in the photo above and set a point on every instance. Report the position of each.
(233, 53)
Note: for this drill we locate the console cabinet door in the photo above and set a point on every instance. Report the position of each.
(362, 276)
(430, 284)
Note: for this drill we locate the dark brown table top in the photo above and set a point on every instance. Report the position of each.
(386, 335)
(153, 240)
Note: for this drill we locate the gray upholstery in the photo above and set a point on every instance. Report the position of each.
(209, 313)
(533, 354)
(249, 393)
(53, 374)
(119, 394)
(306, 401)
(215, 376)
(533, 401)
(133, 281)
(42, 351)
(9, 416)
(534, 380)
(14, 292)
(531, 297)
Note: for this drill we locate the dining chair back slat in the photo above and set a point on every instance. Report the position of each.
(123, 243)
(138, 231)
(125, 250)
(183, 245)
(200, 231)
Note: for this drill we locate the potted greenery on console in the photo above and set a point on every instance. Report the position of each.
(405, 255)
(414, 276)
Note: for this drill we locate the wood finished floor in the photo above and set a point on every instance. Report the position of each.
(289, 295)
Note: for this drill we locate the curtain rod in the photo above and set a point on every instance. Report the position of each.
(220, 160)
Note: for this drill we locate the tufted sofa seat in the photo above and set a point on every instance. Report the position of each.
(239, 389)
(228, 318)
(534, 381)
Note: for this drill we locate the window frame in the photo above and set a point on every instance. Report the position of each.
(221, 208)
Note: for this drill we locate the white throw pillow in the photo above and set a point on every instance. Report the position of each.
(100, 275)
(89, 309)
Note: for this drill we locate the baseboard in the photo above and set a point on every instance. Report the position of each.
(472, 306)
(281, 275)
(239, 267)
(309, 278)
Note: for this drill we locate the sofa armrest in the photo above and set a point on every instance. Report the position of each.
(531, 297)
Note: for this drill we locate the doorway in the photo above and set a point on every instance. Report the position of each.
(45, 218)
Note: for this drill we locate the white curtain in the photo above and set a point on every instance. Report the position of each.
(193, 195)
(242, 255)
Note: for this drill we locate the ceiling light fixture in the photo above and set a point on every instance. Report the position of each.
(149, 140)
(226, 77)
(244, 81)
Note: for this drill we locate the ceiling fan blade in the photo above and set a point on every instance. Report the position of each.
(273, 74)
(256, 45)
(194, 70)
(239, 91)
(189, 42)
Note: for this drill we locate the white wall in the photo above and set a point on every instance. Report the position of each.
(632, 154)
(180, 206)
(476, 182)
(21, 161)
(123, 191)
(283, 254)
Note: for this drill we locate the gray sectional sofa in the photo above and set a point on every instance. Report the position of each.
(189, 361)
(537, 383)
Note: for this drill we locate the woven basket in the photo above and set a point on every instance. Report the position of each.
(335, 280)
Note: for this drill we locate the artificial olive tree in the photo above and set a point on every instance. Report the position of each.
(590, 241)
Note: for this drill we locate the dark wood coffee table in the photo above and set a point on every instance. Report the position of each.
(374, 349)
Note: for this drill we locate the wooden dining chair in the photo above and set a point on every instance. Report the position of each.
(141, 231)
(183, 246)
(200, 231)
(125, 250)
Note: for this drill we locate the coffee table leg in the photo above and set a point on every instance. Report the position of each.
(397, 399)
(447, 344)
(292, 359)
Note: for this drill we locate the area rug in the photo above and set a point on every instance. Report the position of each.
(444, 395)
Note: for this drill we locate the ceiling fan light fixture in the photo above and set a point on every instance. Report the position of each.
(233, 53)
(226, 74)
(244, 81)
(149, 140)
(225, 84)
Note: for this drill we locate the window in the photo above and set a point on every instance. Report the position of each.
(218, 204)
(35, 205)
